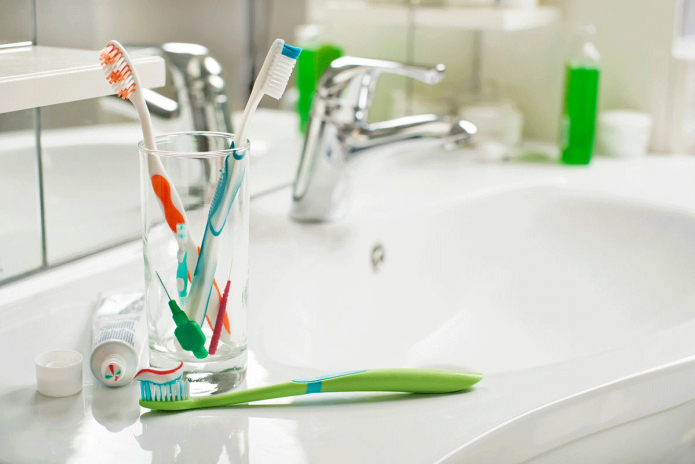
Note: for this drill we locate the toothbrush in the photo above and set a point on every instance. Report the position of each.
(175, 396)
(188, 333)
(124, 80)
(276, 87)
(272, 80)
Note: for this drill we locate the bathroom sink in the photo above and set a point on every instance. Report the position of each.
(499, 282)
(570, 289)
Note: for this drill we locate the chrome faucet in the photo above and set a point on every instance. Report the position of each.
(338, 133)
(197, 100)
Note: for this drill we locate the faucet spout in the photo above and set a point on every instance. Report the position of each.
(422, 129)
(324, 178)
(338, 133)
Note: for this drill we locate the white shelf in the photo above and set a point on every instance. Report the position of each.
(40, 76)
(446, 17)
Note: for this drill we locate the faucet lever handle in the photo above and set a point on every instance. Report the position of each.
(353, 79)
(348, 68)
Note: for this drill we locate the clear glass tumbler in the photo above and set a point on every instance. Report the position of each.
(188, 166)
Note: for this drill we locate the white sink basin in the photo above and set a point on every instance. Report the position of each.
(569, 288)
(493, 283)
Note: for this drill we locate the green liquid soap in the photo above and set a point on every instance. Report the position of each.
(579, 113)
(311, 64)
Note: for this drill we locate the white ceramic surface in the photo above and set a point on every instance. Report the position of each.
(570, 288)
(509, 280)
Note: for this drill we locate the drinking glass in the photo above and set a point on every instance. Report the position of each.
(193, 162)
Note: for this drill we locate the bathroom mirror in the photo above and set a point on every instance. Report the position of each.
(20, 213)
(91, 180)
(21, 244)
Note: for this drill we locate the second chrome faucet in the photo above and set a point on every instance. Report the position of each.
(338, 133)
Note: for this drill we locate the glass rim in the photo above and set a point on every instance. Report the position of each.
(193, 154)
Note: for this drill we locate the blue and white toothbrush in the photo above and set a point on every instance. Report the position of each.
(272, 80)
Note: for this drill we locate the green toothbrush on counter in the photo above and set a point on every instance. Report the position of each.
(175, 396)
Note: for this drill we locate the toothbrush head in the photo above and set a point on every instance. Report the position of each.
(118, 69)
(162, 384)
(153, 393)
(280, 69)
(272, 80)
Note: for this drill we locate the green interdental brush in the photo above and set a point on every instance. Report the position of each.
(187, 332)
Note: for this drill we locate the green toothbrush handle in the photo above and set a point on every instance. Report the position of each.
(399, 380)
(386, 380)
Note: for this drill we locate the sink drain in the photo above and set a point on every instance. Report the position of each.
(377, 257)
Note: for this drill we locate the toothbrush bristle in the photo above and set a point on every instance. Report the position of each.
(117, 71)
(174, 391)
(108, 54)
(278, 79)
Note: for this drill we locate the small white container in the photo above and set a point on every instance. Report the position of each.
(498, 121)
(623, 133)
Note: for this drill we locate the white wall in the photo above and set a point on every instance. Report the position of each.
(388, 42)
(634, 38)
(219, 25)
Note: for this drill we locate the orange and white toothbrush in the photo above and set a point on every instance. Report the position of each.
(124, 80)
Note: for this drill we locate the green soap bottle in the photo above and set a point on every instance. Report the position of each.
(311, 64)
(578, 123)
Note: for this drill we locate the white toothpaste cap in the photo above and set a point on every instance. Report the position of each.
(59, 373)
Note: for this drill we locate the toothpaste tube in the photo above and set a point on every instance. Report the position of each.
(119, 339)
